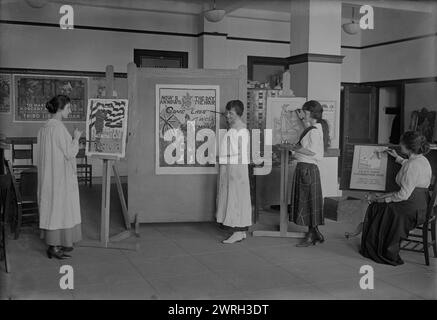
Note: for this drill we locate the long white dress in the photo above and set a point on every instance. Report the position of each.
(58, 192)
(234, 207)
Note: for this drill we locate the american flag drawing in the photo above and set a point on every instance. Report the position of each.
(110, 114)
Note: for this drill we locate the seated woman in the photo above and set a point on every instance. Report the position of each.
(390, 217)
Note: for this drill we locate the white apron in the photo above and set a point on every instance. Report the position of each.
(234, 208)
(58, 191)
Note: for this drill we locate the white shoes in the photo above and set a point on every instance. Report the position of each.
(236, 237)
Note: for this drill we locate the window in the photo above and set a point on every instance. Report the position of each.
(160, 59)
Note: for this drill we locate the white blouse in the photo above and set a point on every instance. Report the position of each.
(238, 141)
(415, 173)
(312, 141)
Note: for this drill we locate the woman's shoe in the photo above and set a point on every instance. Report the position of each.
(236, 237)
(67, 249)
(57, 253)
(309, 240)
(319, 236)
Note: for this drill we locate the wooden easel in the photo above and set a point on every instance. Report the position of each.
(284, 192)
(108, 163)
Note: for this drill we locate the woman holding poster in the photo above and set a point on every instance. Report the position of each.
(58, 192)
(390, 217)
(234, 208)
(306, 193)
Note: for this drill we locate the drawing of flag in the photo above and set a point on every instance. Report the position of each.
(112, 113)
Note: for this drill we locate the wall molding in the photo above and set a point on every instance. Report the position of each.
(58, 72)
(196, 35)
(315, 57)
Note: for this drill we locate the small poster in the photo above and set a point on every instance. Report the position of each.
(106, 127)
(330, 115)
(5, 93)
(31, 93)
(187, 118)
(369, 168)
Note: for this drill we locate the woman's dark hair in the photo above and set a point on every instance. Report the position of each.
(57, 103)
(316, 110)
(237, 105)
(415, 142)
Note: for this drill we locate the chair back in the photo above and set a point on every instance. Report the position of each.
(433, 201)
(14, 182)
(81, 154)
(22, 153)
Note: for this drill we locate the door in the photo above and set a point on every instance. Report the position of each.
(359, 124)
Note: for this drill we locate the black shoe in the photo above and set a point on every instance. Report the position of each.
(319, 236)
(67, 249)
(57, 253)
(309, 240)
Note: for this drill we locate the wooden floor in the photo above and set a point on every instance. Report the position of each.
(188, 261)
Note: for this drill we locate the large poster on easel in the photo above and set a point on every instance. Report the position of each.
(283, 120)
(369, 168)
(106, 127)
(182, 113)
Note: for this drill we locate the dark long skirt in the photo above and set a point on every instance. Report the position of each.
(387, 224)
(306, 196)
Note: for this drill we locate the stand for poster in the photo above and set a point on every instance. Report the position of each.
(108, 163)
(285, 149)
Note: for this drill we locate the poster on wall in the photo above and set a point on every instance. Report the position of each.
(106, 127)
(31, 93)
(369, 168)
(5, 93)
(330, 115)
(187, 118)
(97, 88)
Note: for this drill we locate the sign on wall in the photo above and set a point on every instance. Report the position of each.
(5, 93)
(31, 93)
(330, 115)
(369, 168)
(186, 127)
(106, 127)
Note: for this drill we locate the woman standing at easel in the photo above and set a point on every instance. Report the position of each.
(306, 193)
(58, 191)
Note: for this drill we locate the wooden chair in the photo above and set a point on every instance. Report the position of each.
(5, 191)
(419, 242)
(22, 150)
(84, 169)
(26, 207)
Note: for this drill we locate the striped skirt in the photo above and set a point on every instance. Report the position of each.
(306, 196)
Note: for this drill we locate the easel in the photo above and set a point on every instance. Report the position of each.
(285, 157)
(108, 163)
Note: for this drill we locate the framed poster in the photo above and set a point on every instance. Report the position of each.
(5, 93)
(187, 123)
(106, 127)
(283, 120)
(31, 93)
(369, 168)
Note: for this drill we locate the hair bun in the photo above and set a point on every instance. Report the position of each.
(424, 145)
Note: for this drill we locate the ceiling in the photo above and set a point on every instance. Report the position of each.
(198, 6)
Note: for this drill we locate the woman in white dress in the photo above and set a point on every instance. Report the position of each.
(234, 208)
(58, 192)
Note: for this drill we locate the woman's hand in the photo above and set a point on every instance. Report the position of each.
(77, 133)
(392, 152)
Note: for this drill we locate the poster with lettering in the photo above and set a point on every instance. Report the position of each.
(106, 127)
(33, 91)
(369, 168)
(5, 93)
(186, 128)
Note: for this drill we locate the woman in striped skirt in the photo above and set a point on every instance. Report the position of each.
(306, 193)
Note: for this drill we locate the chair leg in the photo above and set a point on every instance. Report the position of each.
(425, 242)
(19, 221)
(433, 236)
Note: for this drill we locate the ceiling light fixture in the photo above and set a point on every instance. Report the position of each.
(36, 3)
(214, 15)
(352, 27)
